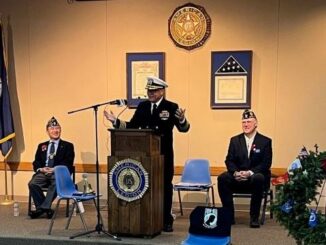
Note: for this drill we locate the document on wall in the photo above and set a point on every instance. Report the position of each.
(140, 71)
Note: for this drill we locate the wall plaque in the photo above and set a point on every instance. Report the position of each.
(189, 26)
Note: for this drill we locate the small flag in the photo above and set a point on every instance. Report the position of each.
(294, 165)
(312, 218)
(287, 207)
(303, 153)
(231, 65)
(7, 132)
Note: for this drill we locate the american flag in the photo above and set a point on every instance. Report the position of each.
(231, 65)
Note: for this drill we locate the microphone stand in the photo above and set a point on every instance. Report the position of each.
(99, 226)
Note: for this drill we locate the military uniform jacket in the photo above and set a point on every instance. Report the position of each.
(64, 155)
(162, 122)
(259, 160)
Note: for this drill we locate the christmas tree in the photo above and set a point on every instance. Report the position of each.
(297, 198)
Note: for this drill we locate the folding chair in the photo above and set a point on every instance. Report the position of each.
(195, 177)
(66, 190)
(29, 209)
(209, 226)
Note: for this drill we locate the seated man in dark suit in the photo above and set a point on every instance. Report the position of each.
(48, 155)
(248, 165)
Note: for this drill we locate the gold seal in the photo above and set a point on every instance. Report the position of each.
(189, 26)
(129, 180)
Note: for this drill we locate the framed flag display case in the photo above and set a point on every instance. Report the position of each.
(231, 79)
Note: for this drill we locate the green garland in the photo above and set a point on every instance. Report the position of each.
(301, 191)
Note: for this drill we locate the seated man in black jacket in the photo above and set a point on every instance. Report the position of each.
(49, 154)
(248, 165)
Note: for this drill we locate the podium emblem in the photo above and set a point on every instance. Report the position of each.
(128, 180)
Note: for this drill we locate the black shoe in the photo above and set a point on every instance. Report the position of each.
(254, 223)
(49, 213)
(37, 213)
(168, 228)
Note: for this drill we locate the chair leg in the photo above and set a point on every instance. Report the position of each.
(29, 210)
(180, 203)
(207, 197)
(81, 216)
(67, 208)
(53, 217)
(271, 196)
(70, 215)
(262, 221)
(213, 198)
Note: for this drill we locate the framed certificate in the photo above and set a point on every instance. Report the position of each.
(231, 79)
(139, 67)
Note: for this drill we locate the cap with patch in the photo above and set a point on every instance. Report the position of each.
(248, 114)
(52, 123)
(155, 83)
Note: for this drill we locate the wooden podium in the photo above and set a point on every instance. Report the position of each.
(144, 216)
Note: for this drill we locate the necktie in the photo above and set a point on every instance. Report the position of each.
(248, 149)
(154, 109)
(51, 155)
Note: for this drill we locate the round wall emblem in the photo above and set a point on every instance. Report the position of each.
(189, 26)
(128, 180)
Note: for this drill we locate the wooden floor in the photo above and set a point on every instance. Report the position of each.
(23, 230)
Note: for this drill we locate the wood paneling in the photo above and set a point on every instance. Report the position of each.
(91, 168)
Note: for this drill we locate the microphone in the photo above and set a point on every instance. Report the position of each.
(118, 102)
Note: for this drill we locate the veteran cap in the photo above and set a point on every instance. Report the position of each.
(52, 123)
(248, 114)
(155, 83)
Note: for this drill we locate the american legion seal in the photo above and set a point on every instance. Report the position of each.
(189, 26)
(128, 180)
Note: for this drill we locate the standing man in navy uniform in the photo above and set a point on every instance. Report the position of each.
(248, 165)
(161, 115)
(49, 154)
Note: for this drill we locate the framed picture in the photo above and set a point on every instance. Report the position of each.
(139, 67)
(231, 79)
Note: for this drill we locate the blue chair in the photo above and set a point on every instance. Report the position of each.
(196, 176)
(66, 190)
(209, 226)
(45, 189)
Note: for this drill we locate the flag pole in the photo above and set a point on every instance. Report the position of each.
(7, 131)
(7, 200)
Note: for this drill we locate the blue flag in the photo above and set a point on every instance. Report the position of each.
(7, 132)
(312, 218)
(296, 164)
(287, 207)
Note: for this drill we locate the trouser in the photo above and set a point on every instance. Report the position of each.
(168, 191)
(227, 185)
(39, 181)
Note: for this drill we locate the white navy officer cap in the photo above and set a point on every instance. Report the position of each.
(155, 83)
